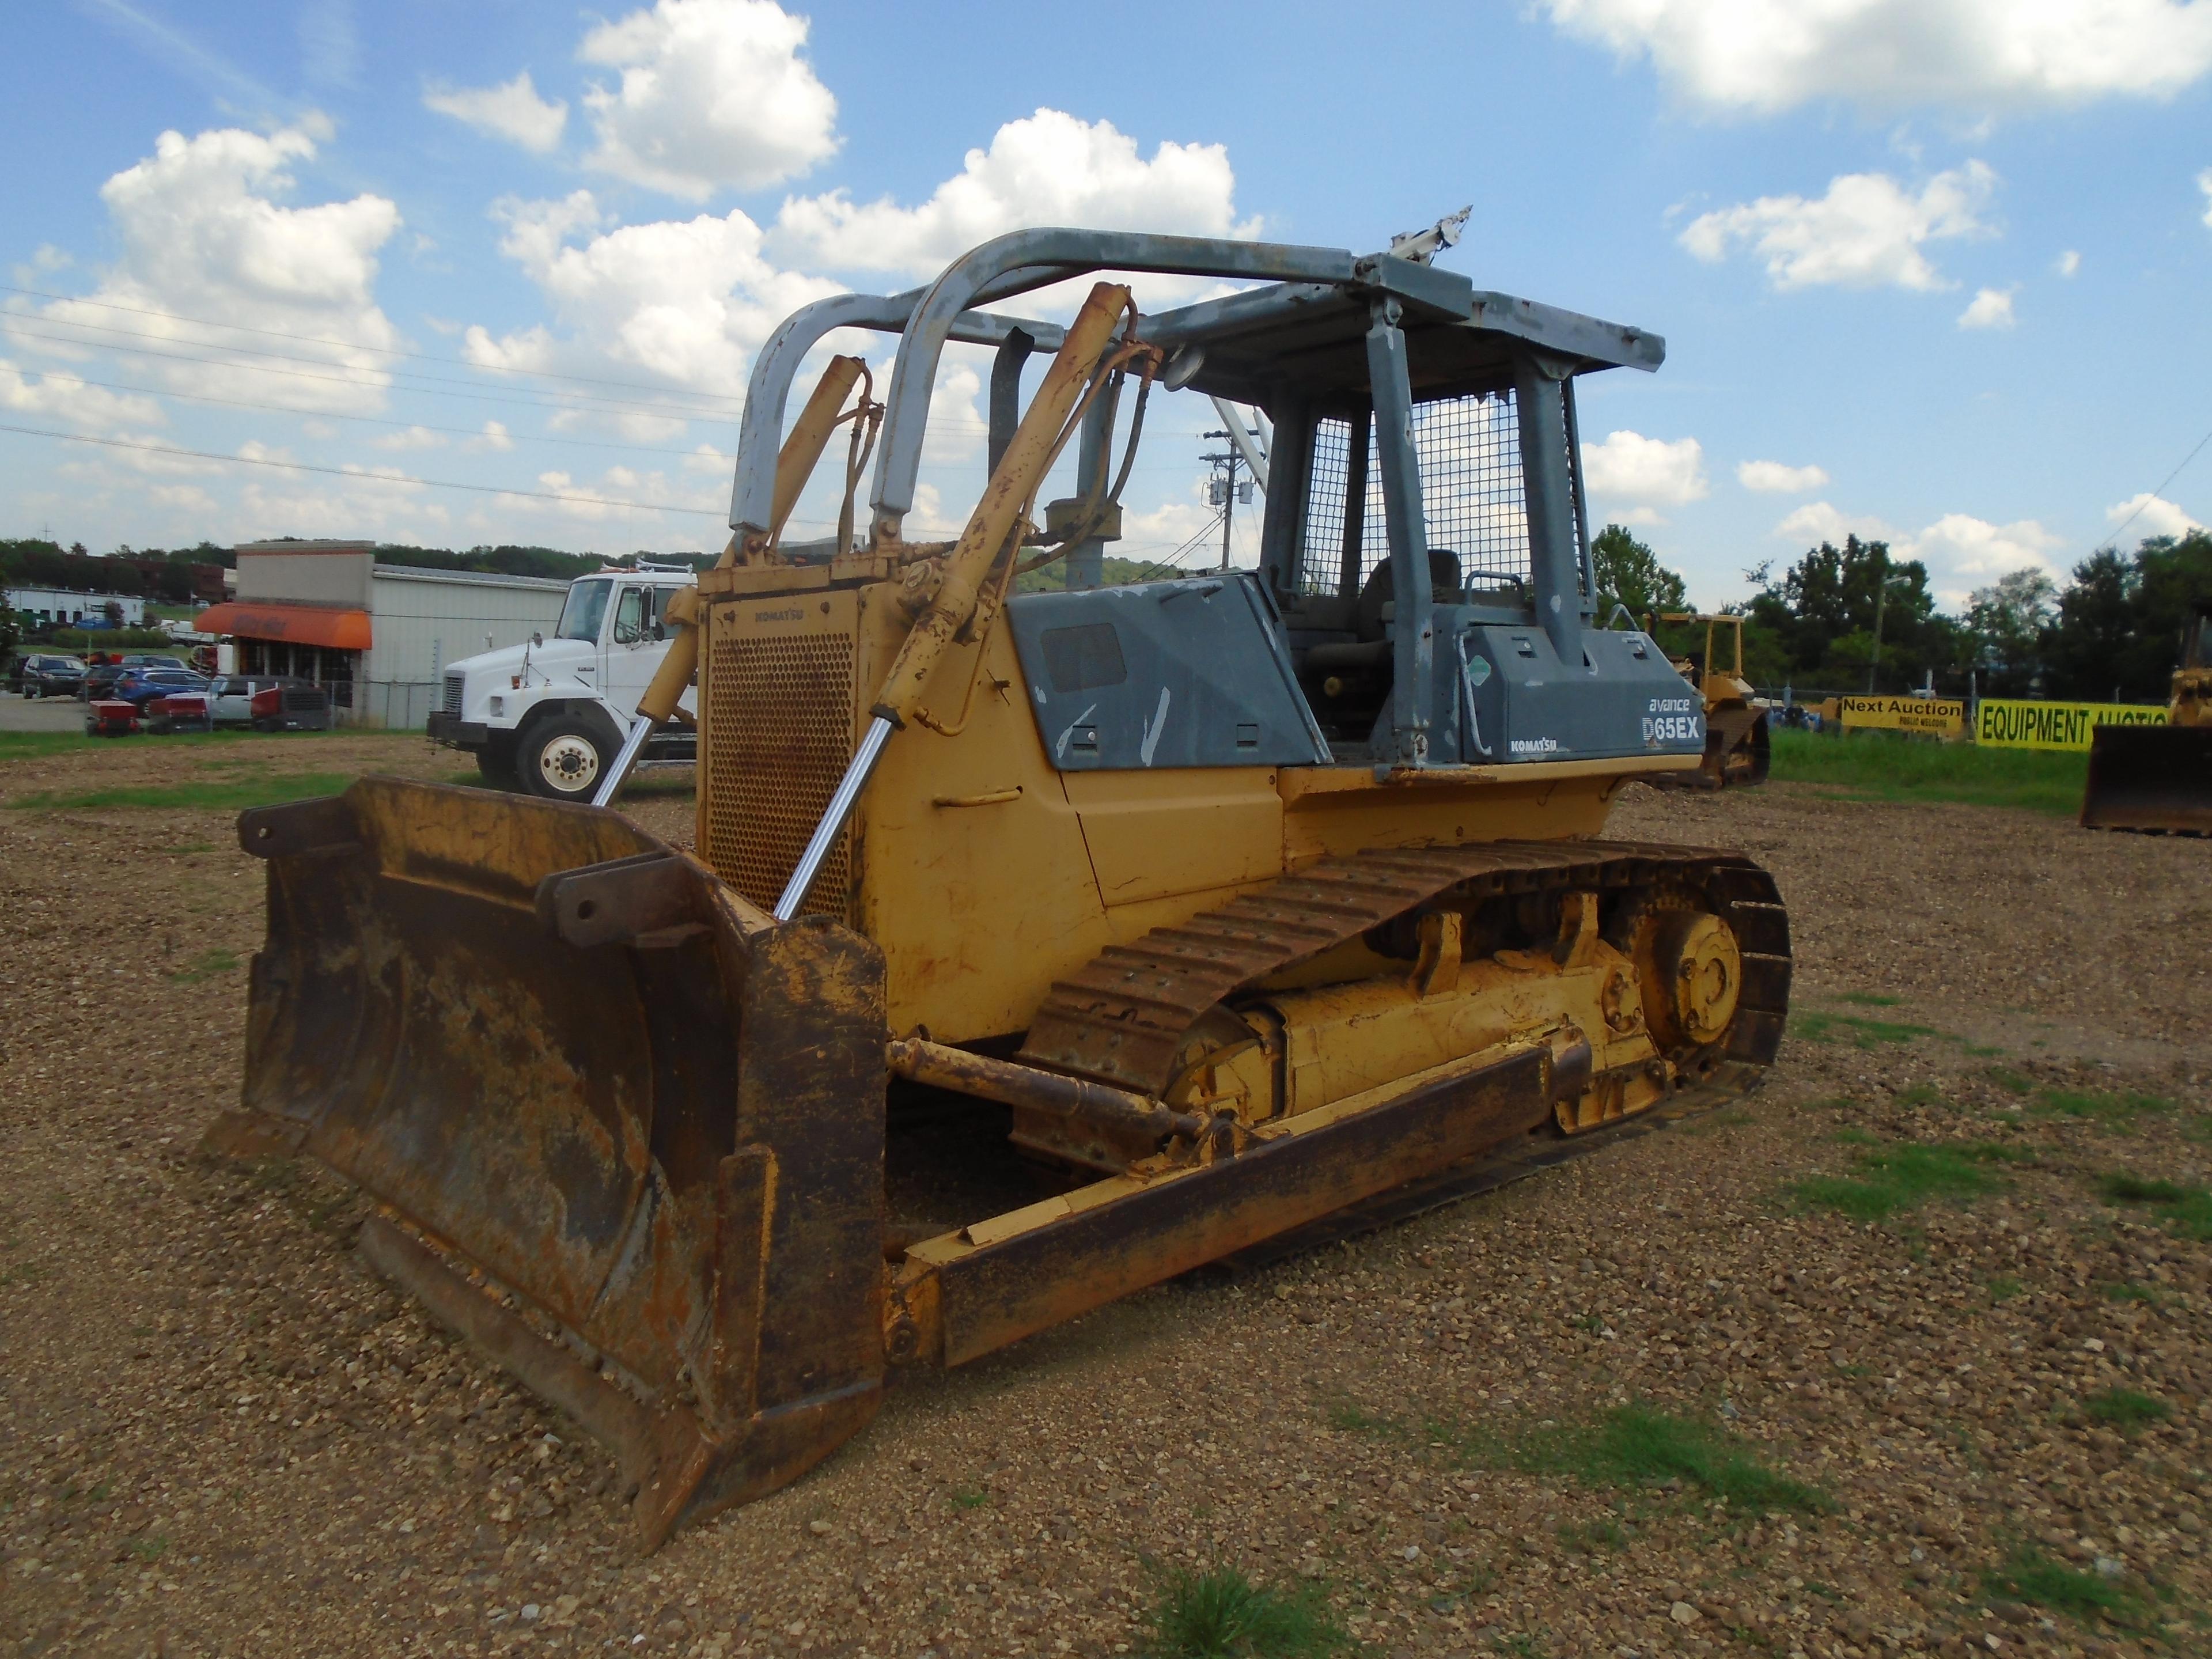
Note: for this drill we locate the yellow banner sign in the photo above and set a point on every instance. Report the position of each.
(2008, 723)
(1940, 717)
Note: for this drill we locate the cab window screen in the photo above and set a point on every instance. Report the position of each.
(1079, 659)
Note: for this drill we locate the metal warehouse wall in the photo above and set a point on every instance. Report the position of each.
(424, 619)
(307, 575)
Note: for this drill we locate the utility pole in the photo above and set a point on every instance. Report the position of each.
(1880, 598)
(1223, 490)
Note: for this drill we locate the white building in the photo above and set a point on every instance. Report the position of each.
(378, 636)
(58, 604)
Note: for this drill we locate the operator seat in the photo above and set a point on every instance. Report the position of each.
(1444, 583)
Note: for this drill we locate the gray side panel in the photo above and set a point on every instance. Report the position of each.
(1163, 674)
(1624, 700)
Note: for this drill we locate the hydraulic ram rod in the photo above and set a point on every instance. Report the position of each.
(795, 465)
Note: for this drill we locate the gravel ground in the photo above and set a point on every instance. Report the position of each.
(220, 1434)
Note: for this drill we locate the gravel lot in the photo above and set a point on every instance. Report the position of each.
(220, 1434)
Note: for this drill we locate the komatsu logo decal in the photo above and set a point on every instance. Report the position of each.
(789, 613)
(1536, 746)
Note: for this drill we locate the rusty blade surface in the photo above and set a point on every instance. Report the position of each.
(577, 1063)
(1124, 1015)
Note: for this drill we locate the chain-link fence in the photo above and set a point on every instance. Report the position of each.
(397, 705)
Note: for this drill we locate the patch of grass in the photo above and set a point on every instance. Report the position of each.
(2155, 1297)
(229, 796)
(2010, 1081)
(1903, 1176)
(1353, 1420)
(1522, 1646)
(2107, 1111)
(1636, 1445)
(2003, 1288)
(1222, 1614)
(1920, 1094)
(2125, 1408)
(2034, 1577)
(971, 1498)
(206, 965)
(1870, 1000)
(2187, 1210)
(191, 846)
(1589, 1537)
(1852, 1135)
(1864, 1033)
(1891, 766)
(149, 1547)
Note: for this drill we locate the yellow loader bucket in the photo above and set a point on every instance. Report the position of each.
(625, 1131)
(2154, 779)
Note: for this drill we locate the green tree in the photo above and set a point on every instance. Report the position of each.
(2117, 630)
(2006, 623)
(1629, 574)
(1827, 607)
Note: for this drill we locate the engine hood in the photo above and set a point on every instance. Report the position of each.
(555, 661)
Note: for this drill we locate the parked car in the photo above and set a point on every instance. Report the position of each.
(139, 686)
(102, 678)
(44, 675)
(233, 696)
(291, 706)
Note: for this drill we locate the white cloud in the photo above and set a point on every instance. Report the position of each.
(1761, 56)
(688, 301)
(493, 436)
(411, 437)
(1991, 307)
(2204, 184)
(1049, 168)
(2152, 515)
(1646, 472)
(1778, 477)
(512, 110)
(1963, 553)
(713, 95)
(201, 236)
(1822, 521)
(2067, 262)
(58, 395)
(1866, 232)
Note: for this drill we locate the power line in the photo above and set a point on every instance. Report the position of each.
(2113, 539)
(366, 477)
(554, 401)
(371, 420)
(319, 339)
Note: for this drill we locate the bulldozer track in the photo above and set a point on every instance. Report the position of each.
(1123, 1018)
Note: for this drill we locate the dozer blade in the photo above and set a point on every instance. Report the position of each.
(625, 1130)
(2155, 779)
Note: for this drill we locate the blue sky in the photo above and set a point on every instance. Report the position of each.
(1930, 269)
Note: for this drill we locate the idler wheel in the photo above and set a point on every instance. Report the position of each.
(1701, 970)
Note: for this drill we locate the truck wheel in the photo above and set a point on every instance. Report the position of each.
(562, 758)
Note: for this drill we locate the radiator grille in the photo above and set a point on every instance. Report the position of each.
(453, 683)
(779, 734)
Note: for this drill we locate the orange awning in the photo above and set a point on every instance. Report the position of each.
(300, 625)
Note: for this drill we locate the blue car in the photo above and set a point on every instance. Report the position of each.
(136, 686)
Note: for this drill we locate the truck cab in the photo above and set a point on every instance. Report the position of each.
(550, 714)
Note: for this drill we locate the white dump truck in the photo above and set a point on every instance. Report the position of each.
(551, 715)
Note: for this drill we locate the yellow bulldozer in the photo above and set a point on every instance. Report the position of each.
(1035, 947)
(2158, 779)
(1737, 740)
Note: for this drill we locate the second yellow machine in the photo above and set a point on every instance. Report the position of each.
(1034, 946)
